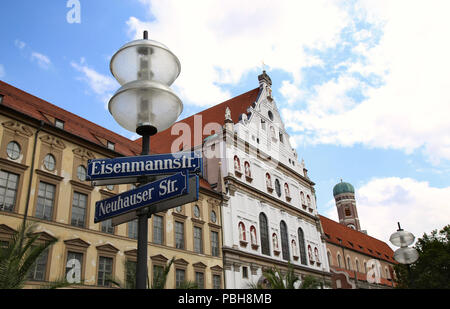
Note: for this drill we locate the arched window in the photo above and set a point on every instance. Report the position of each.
(278, 187)
(264, 234)
(301, 245)
(365, 267)
(349, 263)
(284, 241)
(237, 164)
(242, 236)
(339, 260)
(330, 260)
(253, 238)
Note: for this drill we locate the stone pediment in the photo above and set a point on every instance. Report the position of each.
(181, 262)
(159, 258)
(77, 242)
(18, 128)
(107, 248)
(199, 265)
(4, 229)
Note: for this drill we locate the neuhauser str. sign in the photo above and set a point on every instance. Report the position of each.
(146, 195)
(126, 167)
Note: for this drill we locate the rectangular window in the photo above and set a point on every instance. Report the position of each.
(217, 282)
(8, 190)
(133, 228)
(200, 280)
(38, 270)
(79, 204)
(244, 272)
(214, 243)
(73, 266)
(158, 272)
(179, 235)
(110, 145)
(107, 226)
(45, 201)
(180, 275)
(130, 277)
(104, 271)
(59, 124)
(198, 241)
(158, 229)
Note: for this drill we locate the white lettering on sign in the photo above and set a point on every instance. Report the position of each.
(103, 168)
(74, 274)
(127, 201)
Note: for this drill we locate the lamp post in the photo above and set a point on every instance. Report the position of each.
(146, 105)
(404, 255)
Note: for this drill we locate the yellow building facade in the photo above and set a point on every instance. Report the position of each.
(43, 161)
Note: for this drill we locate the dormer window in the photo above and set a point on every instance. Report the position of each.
(59, 124)
(110, 145)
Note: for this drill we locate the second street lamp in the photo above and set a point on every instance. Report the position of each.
(146, 105)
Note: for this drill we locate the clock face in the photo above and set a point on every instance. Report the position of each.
(196, 211)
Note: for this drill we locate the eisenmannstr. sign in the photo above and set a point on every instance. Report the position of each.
(162, 164)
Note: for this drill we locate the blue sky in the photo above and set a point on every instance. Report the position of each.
(361, 85)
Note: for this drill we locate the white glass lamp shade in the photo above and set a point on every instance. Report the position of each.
(145, 103)
(402, 238)
(145, 60)
(406, 255)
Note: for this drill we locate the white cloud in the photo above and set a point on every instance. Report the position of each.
(218, 42)
(419, 207)
(19, 44)
(42, 60)
(2, 71)
(406, 110)
(102, 85)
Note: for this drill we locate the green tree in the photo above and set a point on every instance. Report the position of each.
(274, 278)
(432, 269)
(18, 257)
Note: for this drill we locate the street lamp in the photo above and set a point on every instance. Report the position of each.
(146, 105)
(404, 255)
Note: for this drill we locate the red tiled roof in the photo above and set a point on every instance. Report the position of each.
(39, 109)
(42, 110)
(356, 240)
(363, 276)
(162, 141)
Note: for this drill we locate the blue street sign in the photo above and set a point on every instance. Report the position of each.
(146, 195)
(192, 196)
(127, 167)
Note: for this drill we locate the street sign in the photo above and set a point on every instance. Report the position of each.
(192, 196)
(143, 196)
(130, 167)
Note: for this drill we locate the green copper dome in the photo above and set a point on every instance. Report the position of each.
(343, 187)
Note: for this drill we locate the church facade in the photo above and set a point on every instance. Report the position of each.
(269, 211)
